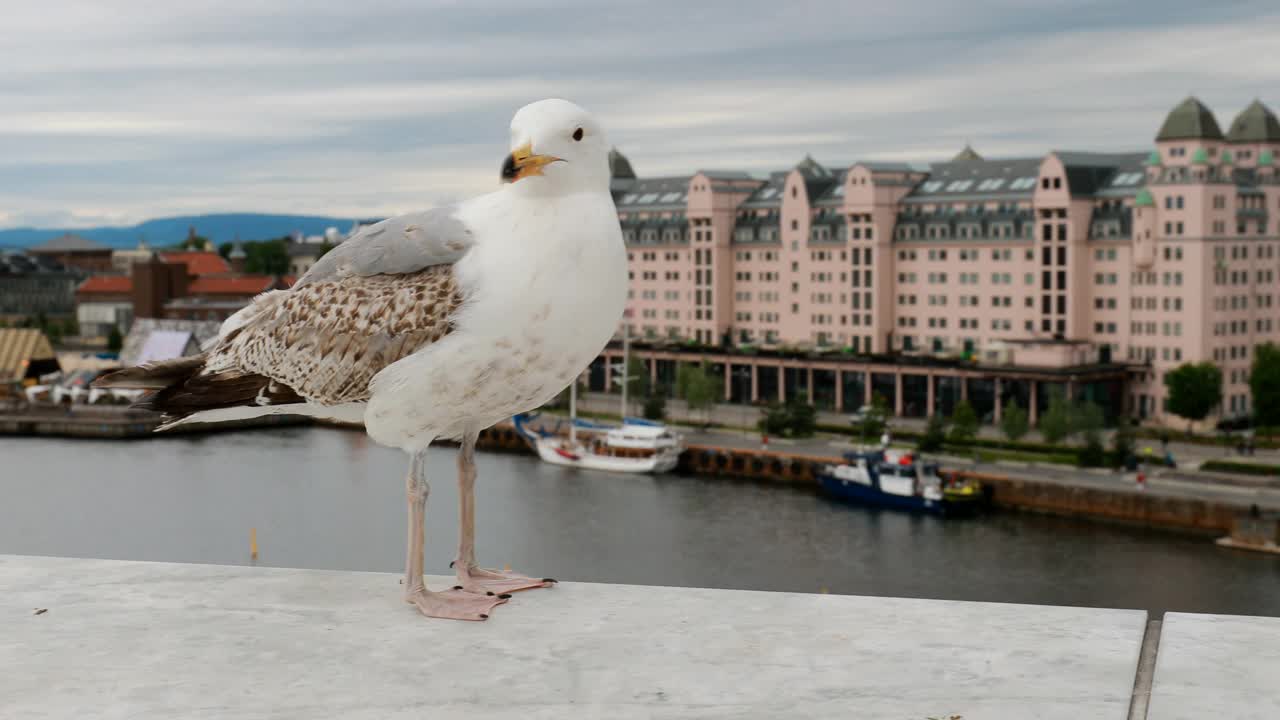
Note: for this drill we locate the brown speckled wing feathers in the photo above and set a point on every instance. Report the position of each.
(326, 340)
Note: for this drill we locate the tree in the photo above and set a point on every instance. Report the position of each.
(700, 390)
(655, 406)
(1122, 440)
(1195, 389)
(637, 378)
(964, 424)
(802, 418)
(935, 434)
(774, 419)
(114, 341)
(266, 257)
(1092, 454)
(1264, 384)
(1014, 422)
(1055, 424)
(70, 327)
(875, 421)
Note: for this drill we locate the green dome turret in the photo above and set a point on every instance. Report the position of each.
(1190, 120)
(1201, 157)
(1154, 158)
(1266, 157)
(1144, 199)
(1226, 157)
(1255, 123)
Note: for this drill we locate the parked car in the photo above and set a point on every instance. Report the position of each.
(861, 415)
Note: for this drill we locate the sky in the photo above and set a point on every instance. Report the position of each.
(113, 113)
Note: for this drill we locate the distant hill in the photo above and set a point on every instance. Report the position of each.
(220, 228)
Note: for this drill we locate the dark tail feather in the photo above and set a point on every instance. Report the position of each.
(181, 388)
(153, 376)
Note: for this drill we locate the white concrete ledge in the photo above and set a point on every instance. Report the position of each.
(153, 640)
(1217, 666)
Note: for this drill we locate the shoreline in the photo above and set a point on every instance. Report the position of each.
(1200, 506)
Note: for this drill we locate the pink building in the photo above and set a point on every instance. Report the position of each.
(1096, 272)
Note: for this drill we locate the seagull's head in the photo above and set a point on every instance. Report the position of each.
(556, 147)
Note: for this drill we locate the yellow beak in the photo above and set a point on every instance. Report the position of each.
(522, 163)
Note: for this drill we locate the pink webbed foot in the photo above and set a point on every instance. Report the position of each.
(455, 604)
(492, 582)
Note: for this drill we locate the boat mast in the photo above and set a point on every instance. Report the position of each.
(573, 412)
(626, 365)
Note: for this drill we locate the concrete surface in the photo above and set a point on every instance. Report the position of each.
(153, 640)
(1217, 666)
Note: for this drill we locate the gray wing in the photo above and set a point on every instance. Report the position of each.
(399, 245)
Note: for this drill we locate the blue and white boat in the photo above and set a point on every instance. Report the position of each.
(897, 480)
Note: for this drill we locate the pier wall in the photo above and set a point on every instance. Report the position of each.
(1121, 505)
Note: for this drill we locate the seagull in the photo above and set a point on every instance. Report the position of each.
(433, 325)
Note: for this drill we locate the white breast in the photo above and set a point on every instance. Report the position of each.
(546, 283)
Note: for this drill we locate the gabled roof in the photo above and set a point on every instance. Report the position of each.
(966, 153)
(69, 243)
(20, 346)
(199, 262)
(1255, 123)
(769, 194)
(107, 285)
(231, 285)
(167, 345)
(620, 166)
(1190, 120)
(201, 330)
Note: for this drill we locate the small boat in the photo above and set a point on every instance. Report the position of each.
(637, 446)
(629, 449)
(900, 481)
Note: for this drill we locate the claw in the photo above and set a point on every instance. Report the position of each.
(457, 587)
(484, 616)
(504, 596)
(550, 580)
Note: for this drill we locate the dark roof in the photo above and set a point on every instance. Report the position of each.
(726, 174)
(769, 194)
(833, 194)
(1255, 123)
(966, 153)
(1106, 174)
(17, 263)
(620, 166)
(665, 193)
(886, 166)
(69, 243)
(1190, 120)
(1009, 178)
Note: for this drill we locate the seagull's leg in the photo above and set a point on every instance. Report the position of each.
(472, 578)
(453, 604)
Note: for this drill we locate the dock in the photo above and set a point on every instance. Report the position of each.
(101, 638)
(112, 422)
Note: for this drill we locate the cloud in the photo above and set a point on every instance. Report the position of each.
(141, 109)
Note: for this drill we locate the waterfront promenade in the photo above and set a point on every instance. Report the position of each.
(93, 638)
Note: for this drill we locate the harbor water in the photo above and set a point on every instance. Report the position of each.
(331, 499)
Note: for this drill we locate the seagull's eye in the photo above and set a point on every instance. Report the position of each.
(577, 134)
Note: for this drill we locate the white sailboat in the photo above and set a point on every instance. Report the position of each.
(634, 447)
